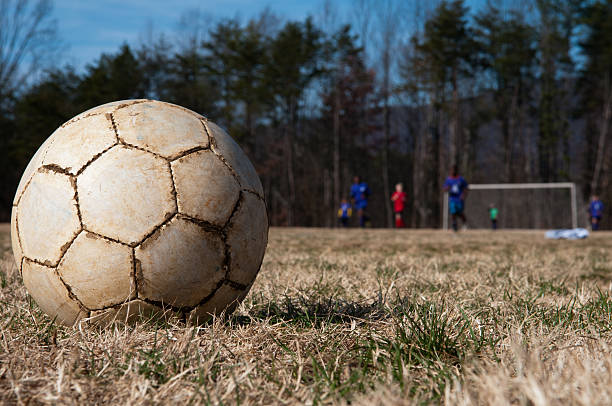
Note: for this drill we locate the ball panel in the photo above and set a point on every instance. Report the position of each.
(160, 128)
(17, 253)
(98, 271)
(225, 145)
(205, 187)
(226, 298)
(32, 167)
(129, 312)
(180, 264)
(191, 112)
(103, 108)
(50, 293)
(79, 142)
(247, 239)
(244, 293)
(125, 194)
(48, 217)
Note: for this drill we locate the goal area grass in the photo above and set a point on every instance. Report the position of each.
(336, 316)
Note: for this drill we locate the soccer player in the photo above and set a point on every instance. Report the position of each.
(595, 212)
(493, 216)
(344, 212)
(359, 194)
(457, 188)
(398, 198)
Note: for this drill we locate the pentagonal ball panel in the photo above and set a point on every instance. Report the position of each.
(98, 271)
(47, 217)
(129, 312)
(17, 254)
(160, 128)
(247, 237)
(125, 194)
(226, 298)
(50, 293)
(104, 108)
(225, 145)
(79, 142)
(180, 264)
(205, 187)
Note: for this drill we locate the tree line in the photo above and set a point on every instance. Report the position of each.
(510, 92)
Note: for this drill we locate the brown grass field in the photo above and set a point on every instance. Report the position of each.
(345, 316)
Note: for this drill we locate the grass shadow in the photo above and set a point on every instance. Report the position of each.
(313, 312)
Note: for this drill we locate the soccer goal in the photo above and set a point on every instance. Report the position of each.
(520, 205)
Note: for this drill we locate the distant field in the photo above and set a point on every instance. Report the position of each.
(337, 316)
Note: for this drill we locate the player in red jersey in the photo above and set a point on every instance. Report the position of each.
(399, 199)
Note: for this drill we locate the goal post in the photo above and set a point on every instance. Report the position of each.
(517, 186)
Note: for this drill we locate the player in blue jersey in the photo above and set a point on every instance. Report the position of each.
(457, 189)
(359, 194)
(595, 212)
(344, 213)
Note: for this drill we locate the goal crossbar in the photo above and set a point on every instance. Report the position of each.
(493, 186)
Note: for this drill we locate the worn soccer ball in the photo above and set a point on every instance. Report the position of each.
(138, 207)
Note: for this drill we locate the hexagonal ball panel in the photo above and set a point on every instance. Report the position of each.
(205, 187)
(98, 271)
(17, 254)
(225, 145)
(161, 128)
(180, 264)
(129, 312)
(50, 293)
(125, 194)
(247, 238)
(79, 142)
(47, 217)
(33, 165)
(226, 298)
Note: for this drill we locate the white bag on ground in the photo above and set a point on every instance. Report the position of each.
(567, 234)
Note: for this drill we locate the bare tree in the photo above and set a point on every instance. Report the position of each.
(604, 129)
(192, 29)
(362, 17)
(328, 20)
(28, 37)
(388, 21)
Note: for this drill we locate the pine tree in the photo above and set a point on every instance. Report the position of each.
(507, 59)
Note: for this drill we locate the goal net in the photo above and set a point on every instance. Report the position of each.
(520, 205)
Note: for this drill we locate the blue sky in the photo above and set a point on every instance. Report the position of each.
(89, 27)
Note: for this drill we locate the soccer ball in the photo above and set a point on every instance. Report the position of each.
(136, 207)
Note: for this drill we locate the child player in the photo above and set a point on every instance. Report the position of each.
(344, 213)
(359, 194)
(398, 198)
(457, 189)
(595, 212)
(493, 216)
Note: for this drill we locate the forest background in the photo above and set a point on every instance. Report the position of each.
(396, 91)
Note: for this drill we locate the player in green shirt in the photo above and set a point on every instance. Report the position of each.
(493, 216)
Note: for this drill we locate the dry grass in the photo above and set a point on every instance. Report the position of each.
(410, 317)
